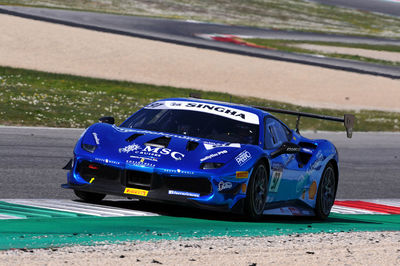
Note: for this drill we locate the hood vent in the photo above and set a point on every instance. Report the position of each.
(308, 145)
(133, 137)
(161, 142)
(191, 145)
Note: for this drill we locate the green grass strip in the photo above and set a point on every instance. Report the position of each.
(34, 98)
(288, 46)
(56, 232)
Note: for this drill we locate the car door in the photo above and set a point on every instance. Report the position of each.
(284, 169)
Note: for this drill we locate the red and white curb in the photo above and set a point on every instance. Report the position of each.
(377, 206)
(373, 206)
(76, 207)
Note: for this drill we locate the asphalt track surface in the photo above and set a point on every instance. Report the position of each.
(31, 160)
(188, 32)
(389, 7)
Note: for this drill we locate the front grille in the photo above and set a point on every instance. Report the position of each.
(195, 185)
(137, 179)
(88, 170)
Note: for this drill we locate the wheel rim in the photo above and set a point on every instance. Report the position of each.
(328, 190)
(260, 190)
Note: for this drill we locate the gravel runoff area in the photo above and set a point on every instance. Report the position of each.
(352, 248)
(50, 47)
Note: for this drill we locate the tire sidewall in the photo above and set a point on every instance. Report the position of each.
(249, 203)
(319, 213)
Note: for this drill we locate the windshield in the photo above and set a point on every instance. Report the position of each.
(195, 124)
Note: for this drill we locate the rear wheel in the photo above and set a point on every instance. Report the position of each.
(256, 192)
(89, 196)
(326, 193)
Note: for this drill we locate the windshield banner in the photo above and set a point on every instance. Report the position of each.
(215, 109)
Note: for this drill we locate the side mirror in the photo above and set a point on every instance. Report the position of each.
(107, 120)
(286, 148)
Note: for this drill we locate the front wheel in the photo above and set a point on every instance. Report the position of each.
(89, 196)
(326, 193)
(257, 192)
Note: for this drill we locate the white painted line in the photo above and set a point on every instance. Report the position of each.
(7, 217)
(348, 210)
(41, 128)
(388, 202)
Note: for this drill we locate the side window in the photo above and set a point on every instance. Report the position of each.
(275, 134)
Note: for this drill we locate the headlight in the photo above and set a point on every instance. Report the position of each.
(211, 165)
(89, 147)
(90, 141)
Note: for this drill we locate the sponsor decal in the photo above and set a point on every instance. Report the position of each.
(277, 167)
(151, 151)
(243, 157)
(183, 193)
(215, 109)
(135, 191)
(293, 149)
(143, 159)
(140, 163)
(124, 130)
(130, 148)
(242, 174)
(107, 161)
(178, 171)
(275, 181)
(224, 185)
(213, 155)
(96, 138)
(295, 211)
(210, 145)
(292, 211)
(316, 165)
(312, 191)
(244, 188)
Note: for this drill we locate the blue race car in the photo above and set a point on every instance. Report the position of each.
(209, 154)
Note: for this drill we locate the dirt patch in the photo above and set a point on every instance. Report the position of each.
(55, 48)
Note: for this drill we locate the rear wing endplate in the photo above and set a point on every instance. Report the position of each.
(348, 119)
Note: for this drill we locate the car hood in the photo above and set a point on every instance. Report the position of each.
(143, 148)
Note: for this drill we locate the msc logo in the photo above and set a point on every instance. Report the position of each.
(151, 150)
(135, 191)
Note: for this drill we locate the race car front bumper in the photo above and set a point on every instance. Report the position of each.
(200, 191)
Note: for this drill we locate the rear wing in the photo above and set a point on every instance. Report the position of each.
(348, 119)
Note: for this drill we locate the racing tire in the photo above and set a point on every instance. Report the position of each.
(257, 191)
(326, 193)
(91, 197)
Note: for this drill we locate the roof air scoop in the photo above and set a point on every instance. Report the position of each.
(161, 142)
(191, 145)
(133, 137)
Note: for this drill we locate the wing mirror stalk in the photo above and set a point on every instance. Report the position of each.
(286, 148)
(107, 120)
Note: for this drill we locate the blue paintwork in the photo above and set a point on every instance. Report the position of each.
(112, 150)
